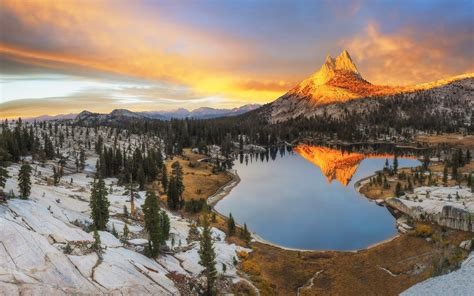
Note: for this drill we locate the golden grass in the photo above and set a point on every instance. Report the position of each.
(455, 140)
(280, 272)
(199, 181)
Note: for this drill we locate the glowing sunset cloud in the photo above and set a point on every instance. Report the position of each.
(172, 54)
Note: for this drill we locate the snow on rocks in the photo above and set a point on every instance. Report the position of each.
(27, 257)
(41, 221)
(225, 254)
(108, 240)
(85, 263)
(124, 268)
(45, 241)
(138, 242)
(448, 206)
(459, 282)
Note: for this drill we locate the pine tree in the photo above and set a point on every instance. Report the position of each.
(164, 179)
(207, 256)
(24, 181)
(82, 159)
(385, 183)
(172, 195)
(445, 175)
(398, 190)
(114, 231)
(247, 235)
(56, 176)
(472, 187)
(165, 225)
(125, 231)
(3, 176)
(231, 225)
(178, 183)
(153, 224)
(125, 211)
(97, 243)
(395, 164)
(99, 204)
(141, 178)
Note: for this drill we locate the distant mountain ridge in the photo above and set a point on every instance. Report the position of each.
(181, 113)
(199, 113)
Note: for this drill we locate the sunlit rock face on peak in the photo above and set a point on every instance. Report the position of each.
(337, 81)
(325, 80)
(342, 65)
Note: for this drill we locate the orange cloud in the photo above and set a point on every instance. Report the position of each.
(402, 59)
(83, 35)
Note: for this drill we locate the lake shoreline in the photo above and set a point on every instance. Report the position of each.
(225, 190)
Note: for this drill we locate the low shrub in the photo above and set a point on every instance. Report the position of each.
(423, 230)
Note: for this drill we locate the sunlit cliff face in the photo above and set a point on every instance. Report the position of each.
(339, 80)
(335, 164)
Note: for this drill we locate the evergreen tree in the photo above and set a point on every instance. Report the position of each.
(125, 231)
(398, 190)
(56, 176)
(114, 231)
(24, 181)
(395, 164)
(164, 179)
(165, 225)
(82, 159)
(172, 195)
(445, 175)
(472, 187)
(3, 176)
(247, 236)
(231, 225)
(99, 204)
(125, 211)
(207, 256)
(141, 178)
(153, 224)
(426, 162)
(179, 185)
(97, 243)
(385, 183)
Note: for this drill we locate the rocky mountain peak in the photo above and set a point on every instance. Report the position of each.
(333, 67)
(344, 62)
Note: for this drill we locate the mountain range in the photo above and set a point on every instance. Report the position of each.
(180, 113)
(199, 113)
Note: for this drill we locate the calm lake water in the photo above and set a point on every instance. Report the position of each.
(290, 202)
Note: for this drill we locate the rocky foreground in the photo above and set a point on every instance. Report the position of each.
(45, 249)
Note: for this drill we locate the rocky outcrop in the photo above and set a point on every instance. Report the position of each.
(455, 218)
(449, 216)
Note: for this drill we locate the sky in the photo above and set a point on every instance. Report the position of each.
(59, 57)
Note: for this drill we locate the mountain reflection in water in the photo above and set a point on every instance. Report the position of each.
(337, 164)
(284, 196)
